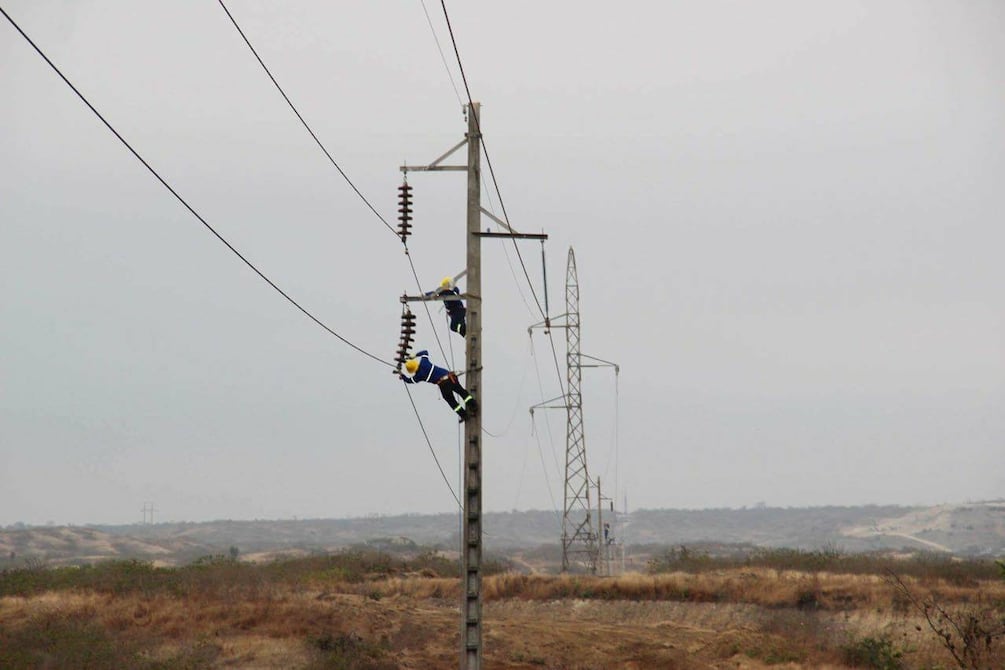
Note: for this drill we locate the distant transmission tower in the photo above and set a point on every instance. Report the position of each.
(148, 509)
(580, 541)
(578, 536)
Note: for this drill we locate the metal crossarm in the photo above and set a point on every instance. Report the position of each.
(514, 236)
(435, 297)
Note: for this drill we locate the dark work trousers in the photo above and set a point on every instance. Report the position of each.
(458, 325)
(450, 386)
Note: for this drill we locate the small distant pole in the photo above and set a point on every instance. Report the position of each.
(601, 535)
(148, 509)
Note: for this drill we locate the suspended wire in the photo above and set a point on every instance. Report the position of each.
(299, 116)
(520, 479)
(408, 255)
(509, 263)
(381, 218)
(485, 150)
(425, 304)
(547, 424)
(442, 56)
(519, 288)
(495, 182)
(617, 448)
(439, 467)
(183, 201)
(333, 162)
(516, 405)
(614, 450)
(547, 482)
(450, 345)
(558, 370)
(460, 479)
(523, 464)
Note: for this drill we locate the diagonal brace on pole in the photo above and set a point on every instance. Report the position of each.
(435, 165)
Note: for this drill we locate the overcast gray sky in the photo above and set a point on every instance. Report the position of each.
(787, 218)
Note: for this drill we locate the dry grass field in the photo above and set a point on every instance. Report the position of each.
(356, 611)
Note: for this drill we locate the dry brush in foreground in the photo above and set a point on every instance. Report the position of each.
(354, 610)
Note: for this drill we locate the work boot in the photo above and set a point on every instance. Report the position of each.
(463, 414)
(471, 404)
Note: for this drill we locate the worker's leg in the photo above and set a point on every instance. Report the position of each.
(447, 391)
(466, 398)
(459, 326)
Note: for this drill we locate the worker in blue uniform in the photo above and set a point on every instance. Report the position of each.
(421, 369)
(454, 306)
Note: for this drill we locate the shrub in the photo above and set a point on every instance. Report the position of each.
(972, 633)
(347, 651)
(681, 559)
(62, 642)
(877, 653)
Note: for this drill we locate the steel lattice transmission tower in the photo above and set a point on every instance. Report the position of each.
(579, 540)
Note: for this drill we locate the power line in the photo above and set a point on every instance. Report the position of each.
(425, 304)
(440, 49)
(299, 116)
(332, 160)
(509, 263)
(547, 424)
(182, 200)
(372, 209)
(547, 483)
(488, 159)
(495, 182)
(430, 445)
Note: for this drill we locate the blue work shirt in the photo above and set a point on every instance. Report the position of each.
(455, 308)
(427, 372)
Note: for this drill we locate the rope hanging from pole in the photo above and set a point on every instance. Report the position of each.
(544, 275)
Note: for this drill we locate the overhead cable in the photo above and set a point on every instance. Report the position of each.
(442, 56)
(331, 159)
(372, 209)
(182, 200)
(299, 116)
(495, 182)
(425, 303)
(431, 450)
(488, 159)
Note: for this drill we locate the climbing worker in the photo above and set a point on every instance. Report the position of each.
(454, 306)
(421, 369)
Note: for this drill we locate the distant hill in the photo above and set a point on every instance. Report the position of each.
(972, 529)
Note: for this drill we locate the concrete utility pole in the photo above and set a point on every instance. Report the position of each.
(471, 532)
(605, 530)
(471, 608)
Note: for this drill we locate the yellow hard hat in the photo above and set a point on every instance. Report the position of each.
(411, 365)
(447, 282)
